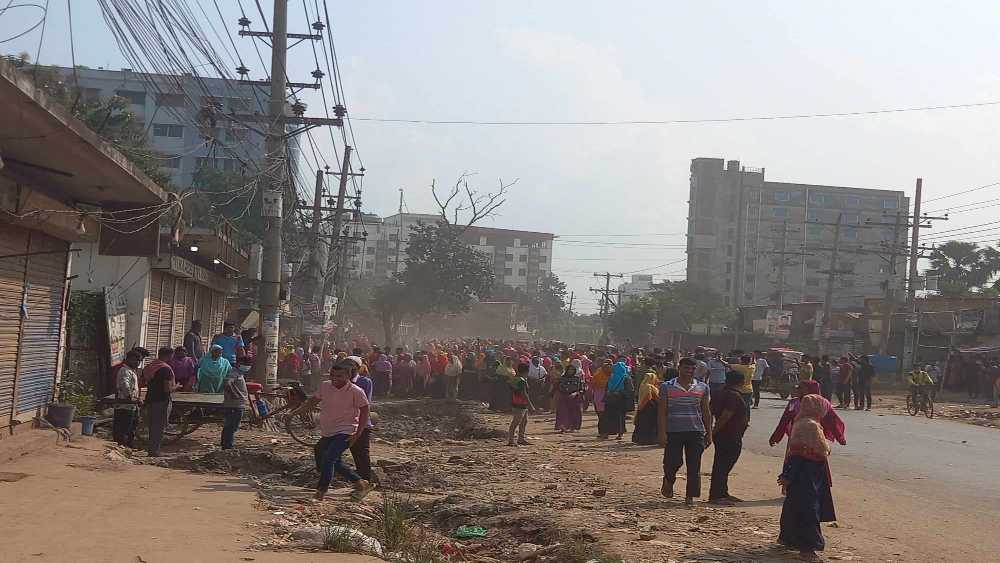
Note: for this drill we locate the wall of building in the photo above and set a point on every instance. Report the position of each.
(742, 229)
(130, 273)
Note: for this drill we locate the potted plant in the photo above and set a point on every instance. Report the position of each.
(75, 396)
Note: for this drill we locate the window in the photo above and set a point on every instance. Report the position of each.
(517, 242)
(748, 296)
(729, 267)
(508, 257)
(211, 102)
(812, 264)
(779, 212)
(812, 298)
(852, 201)
(522, 272)
(729, 284)
(240, 105)
(370, 250)
(846, 266)
(482, 241)
(168, 130)
(818, 199)
(522, 258)
(731, 234)
(887, 234)
(133, 97)
(781, 196)
(170, 100)
(393, 236)
(812, 282)
(543, 258)
(729, 250)
(815, 231)
(887, 219)
(850, 233)
(815, 216)
(846, 283)
(852, 219)
(173, 162)
(507, 271)
(890, 204)
(237, 135)
(727, 301)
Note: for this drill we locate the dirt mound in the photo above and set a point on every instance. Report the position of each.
(433, 419)
(256, 463)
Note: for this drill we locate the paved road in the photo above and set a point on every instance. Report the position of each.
(948, 462)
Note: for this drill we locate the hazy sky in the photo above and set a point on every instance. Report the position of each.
(602, 61)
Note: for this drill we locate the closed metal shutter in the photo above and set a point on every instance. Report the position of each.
(180, 313)
(153, 311)
(166, 312)
(12, 241)
(41, 334)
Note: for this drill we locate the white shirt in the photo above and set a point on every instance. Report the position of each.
(537, 372)
(758, 372)
(127, 387)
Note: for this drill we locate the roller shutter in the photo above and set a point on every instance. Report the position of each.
(41, 327)
(12, 241)
(153, 309)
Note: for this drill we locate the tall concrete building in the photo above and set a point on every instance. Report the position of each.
(521, 259)
(640, 286)
(758, 242)
(176, 111)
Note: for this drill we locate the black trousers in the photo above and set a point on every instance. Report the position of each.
(123, 426)
(756, 392)
(727, 452)
(360, 451)
(862, 392)
(844, 393)
(684, 448)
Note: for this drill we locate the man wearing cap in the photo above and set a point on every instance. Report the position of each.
(343, 421)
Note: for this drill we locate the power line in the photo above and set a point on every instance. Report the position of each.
(970, 190)
(681, 121)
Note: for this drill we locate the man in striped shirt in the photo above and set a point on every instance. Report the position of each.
(685, 428)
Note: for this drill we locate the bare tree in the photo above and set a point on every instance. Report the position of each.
(464, 206)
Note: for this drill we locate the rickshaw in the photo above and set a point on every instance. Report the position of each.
(782, 375)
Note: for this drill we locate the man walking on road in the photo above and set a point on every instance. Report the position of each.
(685, 429)
(343, 419)
(759, 369)
(730, 424)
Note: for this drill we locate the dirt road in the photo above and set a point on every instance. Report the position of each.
(906, 489)
(70, 503)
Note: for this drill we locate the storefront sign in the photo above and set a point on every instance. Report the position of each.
(116, 311)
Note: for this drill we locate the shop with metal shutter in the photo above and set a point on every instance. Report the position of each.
(173, 302)
(32, 311)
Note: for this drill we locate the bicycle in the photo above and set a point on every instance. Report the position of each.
(269, 409)
(924, 403)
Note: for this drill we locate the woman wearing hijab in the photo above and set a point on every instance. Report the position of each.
(833, 426)
(423, 374)
(403, 375)
(599, 386)
(185, 370)
(213, 370)
(552, 383)
(503, 376)
(569, 401)
(617, 402)
(806, 479)
(645, 432)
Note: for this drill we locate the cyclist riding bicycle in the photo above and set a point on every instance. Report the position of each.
(919, 380)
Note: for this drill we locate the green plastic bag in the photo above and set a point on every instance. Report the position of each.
(466, 532)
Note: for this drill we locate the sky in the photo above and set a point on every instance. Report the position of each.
(616, 196)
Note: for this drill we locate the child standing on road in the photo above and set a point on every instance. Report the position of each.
(521, 404)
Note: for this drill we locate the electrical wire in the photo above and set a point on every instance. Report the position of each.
(41, 22)
(682, 121)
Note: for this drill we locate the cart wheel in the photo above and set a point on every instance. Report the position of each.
(275, 404)
(181, 424)
(304, 427)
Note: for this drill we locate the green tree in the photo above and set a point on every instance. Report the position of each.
(443, 273)
(963, 268)
(633, 320)
(227, 195)
(683, 302)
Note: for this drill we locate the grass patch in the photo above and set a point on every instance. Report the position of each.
(582, 551)
(403, 540)
(339, 540)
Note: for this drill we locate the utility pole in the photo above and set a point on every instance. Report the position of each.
(275, 180)
(333, 257)
(606, 301)
(889, 301)
(318, 259)
(399, 231)
(781, 266)
(831, 275)
(572, 294)
(912, 325)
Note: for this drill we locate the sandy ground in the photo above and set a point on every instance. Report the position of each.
(75, 504)
(72, 504)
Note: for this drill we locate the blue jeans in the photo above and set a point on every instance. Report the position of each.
(330, 460)
(231, 423)
(748, 401)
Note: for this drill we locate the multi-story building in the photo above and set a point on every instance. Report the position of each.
(182, 117)
(640, 286)
(758, 242)
(521, 259)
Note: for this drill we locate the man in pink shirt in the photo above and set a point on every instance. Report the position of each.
(342, 420)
